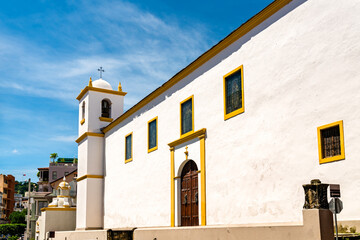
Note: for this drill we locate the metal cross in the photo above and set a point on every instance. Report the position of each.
(186, 152)
(101, 70)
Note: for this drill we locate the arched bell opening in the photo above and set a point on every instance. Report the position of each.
(106, 108)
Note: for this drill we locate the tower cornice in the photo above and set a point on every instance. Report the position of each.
(95, 89)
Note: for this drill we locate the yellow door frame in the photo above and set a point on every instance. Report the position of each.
(200, 134)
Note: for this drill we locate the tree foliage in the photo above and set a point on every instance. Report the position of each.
(18, 217)
(12, 229)
(22, 187)
(54, 156)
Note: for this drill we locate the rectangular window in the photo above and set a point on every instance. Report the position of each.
(152, 135)
(331, 142)
(66, 173)
(234, 93)
(54, 175)
(187, 116)
(128, 148)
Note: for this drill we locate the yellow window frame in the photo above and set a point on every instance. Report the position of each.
(242, 109)
(130, 159)
(342, 146)
(192, 117)
(148, 133)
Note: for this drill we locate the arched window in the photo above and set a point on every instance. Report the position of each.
(105, 108)
(83, 111)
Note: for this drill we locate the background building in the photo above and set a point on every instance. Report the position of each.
(61, 167)
(7, 187)
(18, 206)
(56, 170)
(43, 182)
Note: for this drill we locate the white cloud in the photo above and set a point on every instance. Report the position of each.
(64, 138)
(15, 151)
(134, 47)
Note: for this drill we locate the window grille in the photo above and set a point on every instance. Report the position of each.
(330, 142)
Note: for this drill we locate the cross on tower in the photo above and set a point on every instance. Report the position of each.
(101, 70)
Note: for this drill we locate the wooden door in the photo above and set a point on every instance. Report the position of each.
(189, 195)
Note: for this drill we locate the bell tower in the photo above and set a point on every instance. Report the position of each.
(99, 105)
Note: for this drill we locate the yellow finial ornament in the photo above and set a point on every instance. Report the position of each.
(90, 82)
(119, 87)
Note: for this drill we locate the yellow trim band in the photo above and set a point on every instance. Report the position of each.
(342, 145)
(95, 89)
(105, 119)
(58, 209)
(128, 160)
(203, 180)
(86, 134)
(88, 176)
(172, 175)
(186, 138)
(227, 41)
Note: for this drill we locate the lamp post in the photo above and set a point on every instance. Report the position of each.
(28, 211)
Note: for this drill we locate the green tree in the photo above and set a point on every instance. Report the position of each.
(12, 229)
(22, 187)
(18, 217)
(54, 156)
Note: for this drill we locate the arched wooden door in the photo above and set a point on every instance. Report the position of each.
(189, 195)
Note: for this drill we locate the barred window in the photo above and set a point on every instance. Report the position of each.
(331, 142)
(152, 135)
(233, 93)
(187, 116)
(54, 175)
(128, 147)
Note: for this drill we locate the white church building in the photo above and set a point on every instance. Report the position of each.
(232, 137)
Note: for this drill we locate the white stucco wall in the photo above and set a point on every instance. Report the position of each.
(81, 205)
(90, 199)
(301, 71)
(56, 221)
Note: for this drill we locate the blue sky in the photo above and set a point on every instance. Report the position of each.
(50, 48)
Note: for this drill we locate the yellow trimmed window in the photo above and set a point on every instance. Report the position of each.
(187, 116)
(152, 135)
(331, 142)
(128, 148)
(234, 93)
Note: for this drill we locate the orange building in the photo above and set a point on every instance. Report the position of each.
(7, 187)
